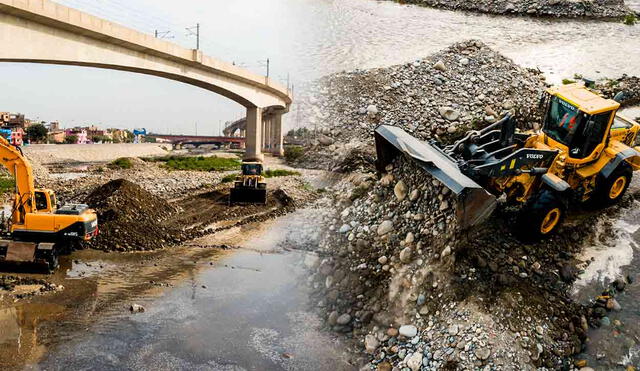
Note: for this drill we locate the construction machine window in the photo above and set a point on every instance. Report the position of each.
(41, 201)
(562, 121)
(251, 169)
(589, 136)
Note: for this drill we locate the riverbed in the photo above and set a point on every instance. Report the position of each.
(245, 309)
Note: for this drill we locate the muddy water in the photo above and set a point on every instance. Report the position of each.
(247, 311)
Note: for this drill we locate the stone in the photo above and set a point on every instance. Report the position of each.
(392, 332)
(449, 113)
(408, 331)
(464, 61)
(385, 227)
(453, 330)
(409, 238)
(414, 361)
(371, 343)
(540, 330)
(136, 308)
(383, 260)
(440, 66)
(372, 110)
(405, 255)
(414, 195)
(482, 353)
(325, 140)
(400, 190)
(333, 318)
(345, 228)
(446, 252)
(384, 366)
(344, 319)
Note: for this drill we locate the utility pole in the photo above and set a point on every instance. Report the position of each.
(196, 129)
(262, 63)
(196, 34)
(163, 34)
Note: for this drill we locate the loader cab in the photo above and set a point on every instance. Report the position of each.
(577, 121)
(252, 168)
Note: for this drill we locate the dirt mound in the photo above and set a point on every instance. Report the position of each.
(131, 218)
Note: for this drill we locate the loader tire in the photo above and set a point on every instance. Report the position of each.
(611, 190)
(540, 217)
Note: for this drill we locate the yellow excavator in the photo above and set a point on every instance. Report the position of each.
(585, 152)
(37, 229)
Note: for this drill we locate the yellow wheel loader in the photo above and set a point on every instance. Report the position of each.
(37, 230)
(584, 153)
(250, 186)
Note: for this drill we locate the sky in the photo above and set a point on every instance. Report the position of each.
(243, 31)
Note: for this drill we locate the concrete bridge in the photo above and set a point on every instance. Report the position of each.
(199, 139)
(272, 138)
(41, 31)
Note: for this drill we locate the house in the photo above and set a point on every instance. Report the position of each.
(79, 133)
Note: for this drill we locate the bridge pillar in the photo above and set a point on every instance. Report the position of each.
(253, 151)
(267, 134)
(277, 147)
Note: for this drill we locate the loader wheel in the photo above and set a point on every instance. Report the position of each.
(542, 216)
(610, 190)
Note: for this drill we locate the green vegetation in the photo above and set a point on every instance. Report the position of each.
(7, 184)
(101, 139)
(568, 81)
(198, 163)
(37, 133)
(279, 172)
(71, 139)
(293, 153)
(121, 163)
(228, 178)
(577, 76)
(630, 19)
(298, 133)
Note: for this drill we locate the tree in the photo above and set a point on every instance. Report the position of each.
(37, 133)
(71, 139)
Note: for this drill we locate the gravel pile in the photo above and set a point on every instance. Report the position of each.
(131, 218)
(629, 86)
(440, 97)
(394, 271)
(603, 9)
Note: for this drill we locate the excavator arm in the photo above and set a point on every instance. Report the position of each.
(18, 166)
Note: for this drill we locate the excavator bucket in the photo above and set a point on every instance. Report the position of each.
(474, 204)
(246, 195)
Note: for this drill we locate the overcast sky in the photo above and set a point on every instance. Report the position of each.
(244, 31)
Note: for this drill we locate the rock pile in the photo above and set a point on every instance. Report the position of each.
(595, 9)
(394, 270)
(464, 86)
(628, 86)
(130, 218)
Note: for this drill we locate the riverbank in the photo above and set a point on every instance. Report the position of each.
(591, 9)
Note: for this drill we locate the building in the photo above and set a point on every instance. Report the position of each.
(79, 133)
(56, 136)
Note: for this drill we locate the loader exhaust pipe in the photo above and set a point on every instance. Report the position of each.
(474, 204)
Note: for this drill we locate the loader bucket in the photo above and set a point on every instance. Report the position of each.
(247, 195)
(473, 205)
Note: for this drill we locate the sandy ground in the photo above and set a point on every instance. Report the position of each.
(55, 153)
